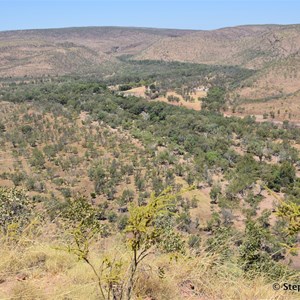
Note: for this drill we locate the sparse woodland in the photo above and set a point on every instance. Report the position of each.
(105, 196)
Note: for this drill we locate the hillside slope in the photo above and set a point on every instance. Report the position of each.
(248, 46)
(271, 51)
(71, 50)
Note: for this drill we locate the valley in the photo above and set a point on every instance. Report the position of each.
(269, 53)
(141, 163)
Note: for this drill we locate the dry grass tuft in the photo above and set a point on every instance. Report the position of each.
(41, 271)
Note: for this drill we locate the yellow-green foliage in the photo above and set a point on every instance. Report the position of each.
(291, 213)
(141, 230)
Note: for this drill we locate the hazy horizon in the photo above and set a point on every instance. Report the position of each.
(145, 27)
(166, 14)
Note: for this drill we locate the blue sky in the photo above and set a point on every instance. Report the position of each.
(201, 14)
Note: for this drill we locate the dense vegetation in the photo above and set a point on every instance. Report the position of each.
(176, 74)
(146, 166)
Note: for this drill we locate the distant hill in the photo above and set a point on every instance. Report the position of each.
(72, 50)
(272, 50)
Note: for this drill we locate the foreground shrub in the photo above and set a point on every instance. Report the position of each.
(16, 210)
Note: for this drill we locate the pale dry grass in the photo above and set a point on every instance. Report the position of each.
(43, 271)
(137, 92)
(201, 279)
(196, 105)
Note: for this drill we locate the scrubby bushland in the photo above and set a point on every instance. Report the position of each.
(91, 159)
(148, 258)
